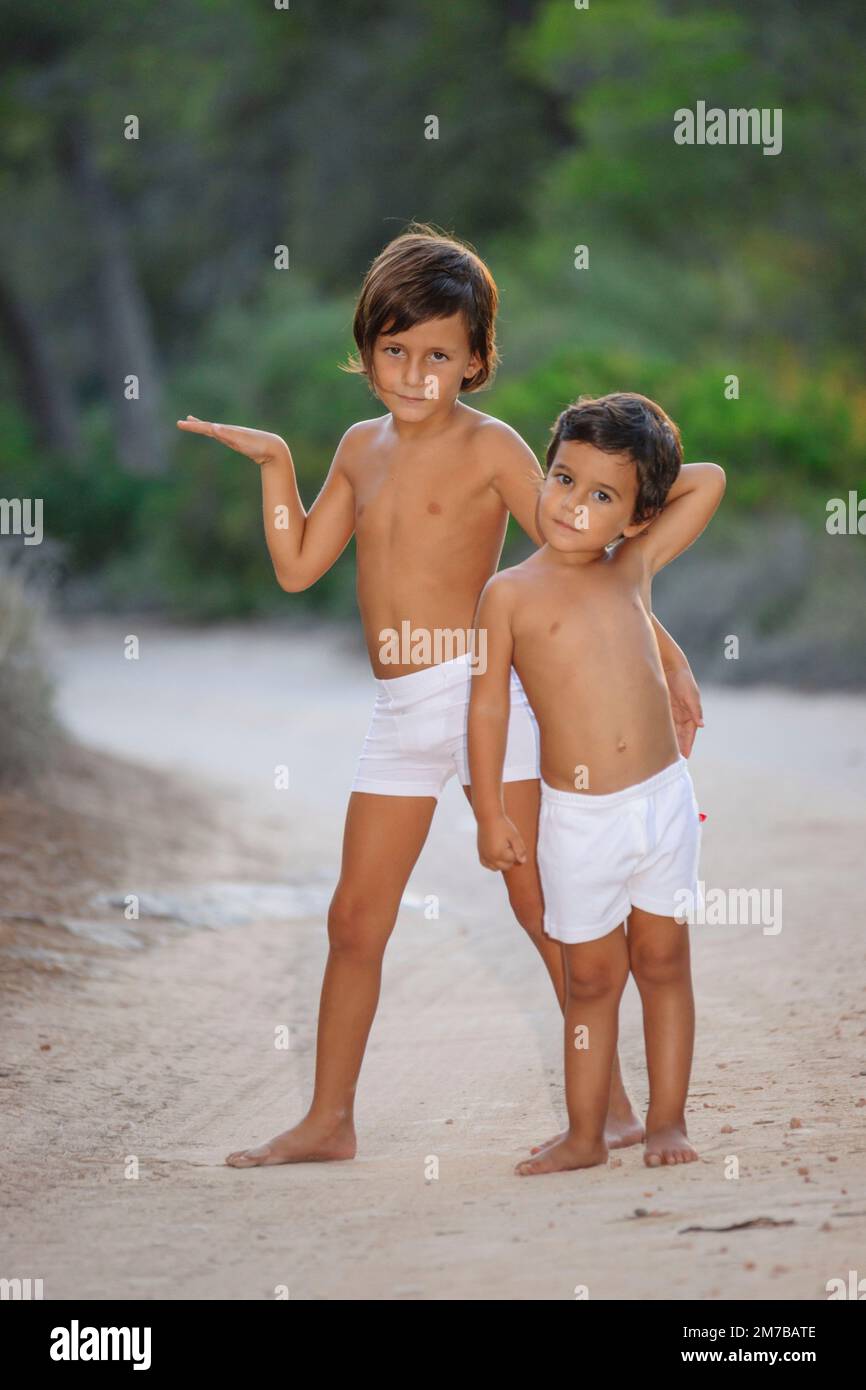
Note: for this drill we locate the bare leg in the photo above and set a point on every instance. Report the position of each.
(659, 954)
(522, 800)
(597, 972)
(382, 839)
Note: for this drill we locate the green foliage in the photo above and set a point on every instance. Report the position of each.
(556, 130)
(792, 434)
(793, 439)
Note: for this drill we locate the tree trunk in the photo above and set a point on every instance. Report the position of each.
(45, 392)
(125, 344)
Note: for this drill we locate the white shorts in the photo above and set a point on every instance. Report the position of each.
(599, 856)
(417, 735)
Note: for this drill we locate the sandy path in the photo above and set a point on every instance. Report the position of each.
(167, 1054)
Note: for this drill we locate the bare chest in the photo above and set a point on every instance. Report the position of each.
(603, 618)
(422, 503)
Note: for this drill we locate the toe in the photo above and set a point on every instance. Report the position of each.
(244, 1158)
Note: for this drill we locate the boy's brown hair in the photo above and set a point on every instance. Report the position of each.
(425, 274)
(626, 423)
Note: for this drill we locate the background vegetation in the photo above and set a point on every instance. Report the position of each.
(260, 127)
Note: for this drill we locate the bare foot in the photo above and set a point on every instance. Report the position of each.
(668, 1145)
(308, 1142)
(566, 1152)
(620, 1131)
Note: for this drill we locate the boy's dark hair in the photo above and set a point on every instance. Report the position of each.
(626, 423)
(423, 275)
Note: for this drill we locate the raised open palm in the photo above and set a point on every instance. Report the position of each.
(258, 445)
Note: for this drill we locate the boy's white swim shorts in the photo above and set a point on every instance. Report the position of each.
(417, 735)
(599, 856)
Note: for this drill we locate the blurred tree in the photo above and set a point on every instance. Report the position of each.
(779, 236)
(44, 389)
(305, 128)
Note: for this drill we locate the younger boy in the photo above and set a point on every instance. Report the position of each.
(618, 835)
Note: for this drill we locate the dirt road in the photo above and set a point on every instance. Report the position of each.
(139, 1053)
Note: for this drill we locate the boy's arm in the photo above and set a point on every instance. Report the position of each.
(515, 474)
(688, 508)
(673, 657)
(499, 843)
(302, 545)
(685, 697)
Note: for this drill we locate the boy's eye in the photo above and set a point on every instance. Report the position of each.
(392, 349)
(564, 478)
(605, 496)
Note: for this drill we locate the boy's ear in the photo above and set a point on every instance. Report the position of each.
(473, 366)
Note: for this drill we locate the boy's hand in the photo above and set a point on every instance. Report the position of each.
(258, 445)
(685, 706)
(500, 845)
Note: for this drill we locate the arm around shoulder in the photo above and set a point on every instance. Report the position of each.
(690, 505)
(515, 474)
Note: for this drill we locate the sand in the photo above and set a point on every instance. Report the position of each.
(139, 1053)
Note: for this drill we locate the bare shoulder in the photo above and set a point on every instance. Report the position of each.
(362, 432)
(500, 448)
(499, 591)
(357, 441)
(504, 589)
